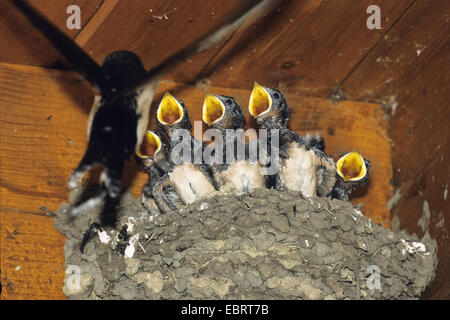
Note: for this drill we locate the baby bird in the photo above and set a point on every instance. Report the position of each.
(186, 175)
(352, 171)
(231, 167)
(151, 158)
(302, 163)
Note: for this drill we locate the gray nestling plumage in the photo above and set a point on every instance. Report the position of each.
(151, 159)
(190, 180)
(302, 162)
(234, 172)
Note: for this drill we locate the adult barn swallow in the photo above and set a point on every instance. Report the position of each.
(303, 164)
(119, 117)
(224, 114)
(191, 181)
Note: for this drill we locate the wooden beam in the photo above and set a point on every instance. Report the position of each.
(95, 22)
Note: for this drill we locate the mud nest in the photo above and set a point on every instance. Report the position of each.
(263, 245)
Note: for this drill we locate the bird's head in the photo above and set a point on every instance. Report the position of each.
(353, 170)
(222, 112)
(149, 150)
(172, 115)
(121, 68)
(268, 107)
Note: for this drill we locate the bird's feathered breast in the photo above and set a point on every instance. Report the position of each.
(114, 126)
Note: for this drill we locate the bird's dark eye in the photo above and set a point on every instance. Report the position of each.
(228, 102)
(276, 95)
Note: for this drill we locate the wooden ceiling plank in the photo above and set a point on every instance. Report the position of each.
(367, 54)
(310, 45)
(410, 43)
(156, 29)
(26, 45)
(95, 21)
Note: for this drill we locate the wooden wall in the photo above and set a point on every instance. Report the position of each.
(305, 48)
(409, 71)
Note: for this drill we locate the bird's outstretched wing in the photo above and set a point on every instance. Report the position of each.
(212, 38)
(76, 56)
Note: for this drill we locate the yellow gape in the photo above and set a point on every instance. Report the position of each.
(260, 101)
(213, 109)
(169, 111)
(351, 167)
(150, 146)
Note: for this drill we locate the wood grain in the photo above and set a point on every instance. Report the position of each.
(22, 44)
(310, 45)
(408, 71)
(32, 257)
(156, 29)
(43, 116)
(307, 45)
(39, 146)
(104, 9)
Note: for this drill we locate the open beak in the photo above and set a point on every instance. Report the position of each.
(260, 101)
(351, 167)
(213, 109)
(150, 145)
(170, 110)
